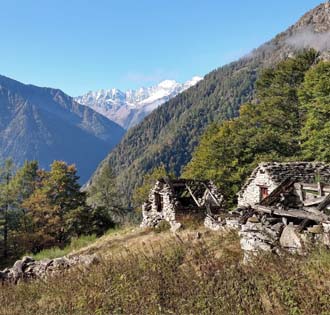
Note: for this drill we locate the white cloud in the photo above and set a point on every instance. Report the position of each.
(307, 38)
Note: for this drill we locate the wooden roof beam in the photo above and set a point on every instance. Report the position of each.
(192, 195)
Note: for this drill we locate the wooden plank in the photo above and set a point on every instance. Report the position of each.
(313, 202)
(291, 213)
(320, 189)
(215, 199)
(192, 195)
(273, 196)
(302, 225)
(313, 210)
(300, 191)
(314, 187)
(324, 203)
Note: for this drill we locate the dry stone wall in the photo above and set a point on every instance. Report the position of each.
(163, 203)
(151, 211)
(29, 268)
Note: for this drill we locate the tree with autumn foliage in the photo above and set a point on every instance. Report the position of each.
(57, 210)
(47, 207)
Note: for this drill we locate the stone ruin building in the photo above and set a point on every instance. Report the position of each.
(268, 176)
(285, 205)
(171, 198)
(281, 206)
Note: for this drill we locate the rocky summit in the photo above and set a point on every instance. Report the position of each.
(130, 107)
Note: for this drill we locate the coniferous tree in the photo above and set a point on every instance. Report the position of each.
(6, 202)
(105, 194)
(315, 101)
(49, 205)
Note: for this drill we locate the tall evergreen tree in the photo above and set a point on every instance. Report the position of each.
(315, 101)
(105, 194)
(6, 202)
(49, 205)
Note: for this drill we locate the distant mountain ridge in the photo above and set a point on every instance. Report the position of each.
(45, 124)
(169, 134)
(130, 107)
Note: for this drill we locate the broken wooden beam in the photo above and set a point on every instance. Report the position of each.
(313, 210)
(324, 203)
(213, 197)
(313, 202)
(302, 225)
(192, 195)
(291, 213)
(320, 189)
(275, 194)
(314, 187)
(300, 192)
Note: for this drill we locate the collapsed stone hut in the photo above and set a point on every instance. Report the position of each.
(269, 176)
(170, 198)
(286, 204)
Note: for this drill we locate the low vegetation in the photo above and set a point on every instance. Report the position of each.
(181, 276)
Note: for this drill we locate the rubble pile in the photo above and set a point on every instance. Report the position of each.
(293, 217)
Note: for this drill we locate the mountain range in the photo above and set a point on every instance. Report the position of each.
(170, 133)
(129, 108)
(45, 124)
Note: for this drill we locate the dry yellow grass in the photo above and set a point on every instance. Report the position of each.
(196, 272)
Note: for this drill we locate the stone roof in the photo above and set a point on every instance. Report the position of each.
(307, 172)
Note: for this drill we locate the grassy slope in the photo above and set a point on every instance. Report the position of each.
(143, 272)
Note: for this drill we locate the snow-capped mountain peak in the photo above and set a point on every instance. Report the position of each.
(130, 107)
(168, 84)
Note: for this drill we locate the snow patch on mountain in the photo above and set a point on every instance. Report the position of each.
(130, 107)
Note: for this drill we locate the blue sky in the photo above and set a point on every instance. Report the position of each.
(82, 45)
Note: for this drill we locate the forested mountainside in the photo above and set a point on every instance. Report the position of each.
(289, 120)
(169, 135)
(45, 124)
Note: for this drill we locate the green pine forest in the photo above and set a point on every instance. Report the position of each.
(170, 134)
(288, 119)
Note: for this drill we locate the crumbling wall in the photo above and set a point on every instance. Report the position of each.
(152, 214)
(271, 174)
(164, 201)
(251, 194)
(261, 236)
